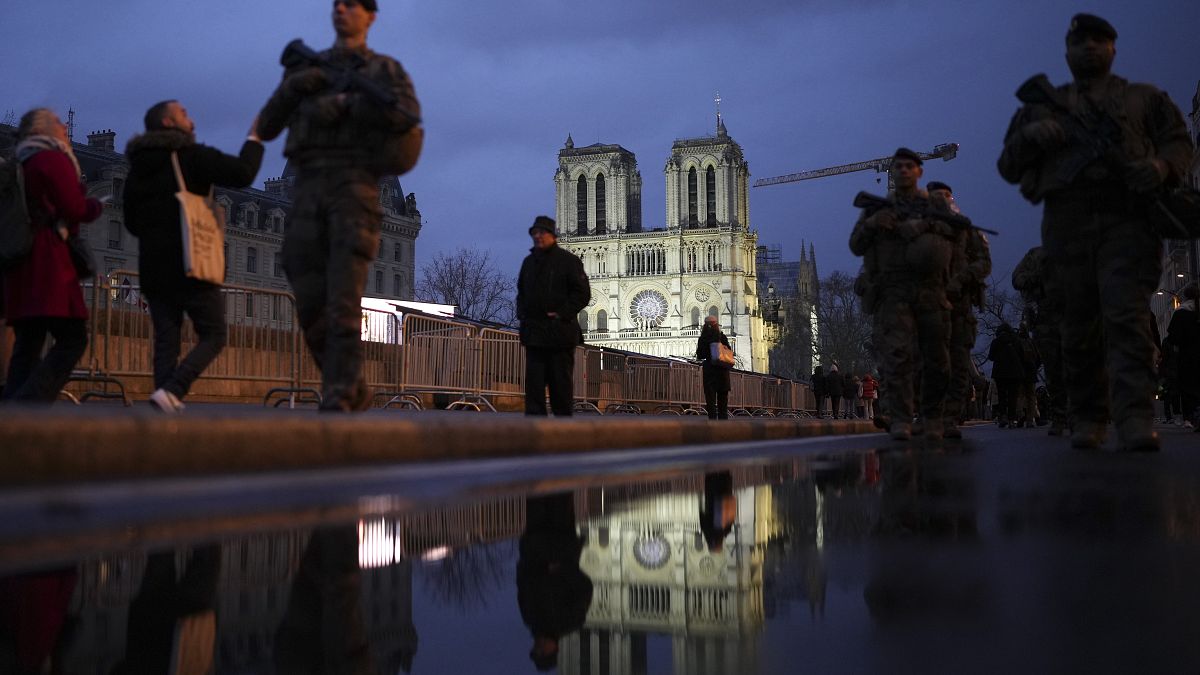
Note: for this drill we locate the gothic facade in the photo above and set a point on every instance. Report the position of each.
(653, 286)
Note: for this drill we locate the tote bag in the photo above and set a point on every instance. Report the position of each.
(720, 355)
(203, 232)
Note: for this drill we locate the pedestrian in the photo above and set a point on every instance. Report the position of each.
(1044, 310)
(715, 374)
(1103, 256)
(906, 248)
(969, 269)
(819, 390)
(854, 398)
(343, 140)
(551, 291)
(1183, 342)
(870, 392)
(42, 293)
(152, 215)
(1009, 372)
(835, 386)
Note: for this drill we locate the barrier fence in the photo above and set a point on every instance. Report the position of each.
(405, 359)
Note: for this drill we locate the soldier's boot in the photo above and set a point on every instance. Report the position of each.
(1088, 435)
(1138, 435)
(932, 433)
(900, 430)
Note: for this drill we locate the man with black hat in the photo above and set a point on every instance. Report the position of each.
(342, 141)
(551, 291)
(907, 257)
(969, 269)
(1096, 151)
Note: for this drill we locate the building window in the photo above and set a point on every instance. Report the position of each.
(602, 321)
(396, 285)
(693, 216)
(252, 260)
(695, 316)
(379, 281)
(601, 215)
(277, 264)
(581, 205)
(583, 320)
(710, 196)
(114, 235)
(250, 304)
(398, 252)
(712, 311)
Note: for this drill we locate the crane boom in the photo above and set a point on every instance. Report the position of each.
(945, 152)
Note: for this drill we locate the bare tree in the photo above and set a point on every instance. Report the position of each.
(468, 576)
(469, 280)
(843, 329)
(1001, 304)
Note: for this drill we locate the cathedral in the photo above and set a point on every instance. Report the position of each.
(653, 286)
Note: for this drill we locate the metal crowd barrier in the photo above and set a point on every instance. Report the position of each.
(402, 360)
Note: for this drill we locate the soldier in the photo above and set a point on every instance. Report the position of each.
(969, 269)
(907, 255)
(1095, 150)
(1042, 313)
(343, 140)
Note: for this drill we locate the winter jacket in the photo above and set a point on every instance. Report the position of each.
(835, 384)
(151, 208)
(551, 281)
(819, 388)
(1007, 356)
(716, 377)
(869, 387)
(45, 283)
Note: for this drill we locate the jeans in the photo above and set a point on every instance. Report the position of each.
(205, 306)
(716, 402)
(553, 367)
(32, 377)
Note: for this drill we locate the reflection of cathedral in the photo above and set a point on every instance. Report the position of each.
(652, 287)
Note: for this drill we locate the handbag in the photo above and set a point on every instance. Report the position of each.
(202, 230)
(720, 355)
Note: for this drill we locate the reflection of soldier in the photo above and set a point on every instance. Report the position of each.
(342, 142)
(1102, 255)
(553, 593)
(1043, 311)
(907, 260)
(969, 270)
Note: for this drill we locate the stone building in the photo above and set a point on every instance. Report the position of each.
(1181, 257)
(254, 226)
(788, 292)
(653, 286)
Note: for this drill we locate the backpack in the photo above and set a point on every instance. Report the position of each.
(16, 228)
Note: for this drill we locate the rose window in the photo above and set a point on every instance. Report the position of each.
(649, 309)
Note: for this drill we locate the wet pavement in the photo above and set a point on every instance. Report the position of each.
(1005, 553)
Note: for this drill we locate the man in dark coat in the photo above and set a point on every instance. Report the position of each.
(819, 389)
(551, 291)
(152, 215)
(1183, 344)
(342, 141)
(1102, 255)
(835, 386)
(1009, 371)
(554, 595)
(716, 375)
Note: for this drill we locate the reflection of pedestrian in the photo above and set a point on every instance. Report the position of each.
(716, 375)
(718, 510)
(342, 143)
(552, 592)
(1103, 257)
(551, 290)
(152, 215)
(42, 294)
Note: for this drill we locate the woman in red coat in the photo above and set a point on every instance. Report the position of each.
(42, 295)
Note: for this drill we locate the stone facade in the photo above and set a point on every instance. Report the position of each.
(254, 225)
(652, 287)
(1181, 257)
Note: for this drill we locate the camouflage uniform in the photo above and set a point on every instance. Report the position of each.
(1102, 257)
(969, 269)
(1042, 314)
(907, 267)
(342, 145)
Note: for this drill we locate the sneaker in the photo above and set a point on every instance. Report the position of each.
(166, 402)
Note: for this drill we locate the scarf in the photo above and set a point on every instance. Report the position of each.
(32, 145)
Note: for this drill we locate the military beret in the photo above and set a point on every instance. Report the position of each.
(937, 185)
(543, 223)
(1091, 24)
(905, 153)
(369, 5)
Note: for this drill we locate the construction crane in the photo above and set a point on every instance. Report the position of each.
(945, 151)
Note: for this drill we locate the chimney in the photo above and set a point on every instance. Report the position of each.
(104, 140)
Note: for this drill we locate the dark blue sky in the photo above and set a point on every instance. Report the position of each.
(805, 83)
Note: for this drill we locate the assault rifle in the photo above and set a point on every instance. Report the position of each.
(1093, 135)
(343, 78)
(872, 203)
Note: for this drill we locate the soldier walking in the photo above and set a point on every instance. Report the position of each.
(343, 137)
(1094, 151)
(907, 251)
(970, 266)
